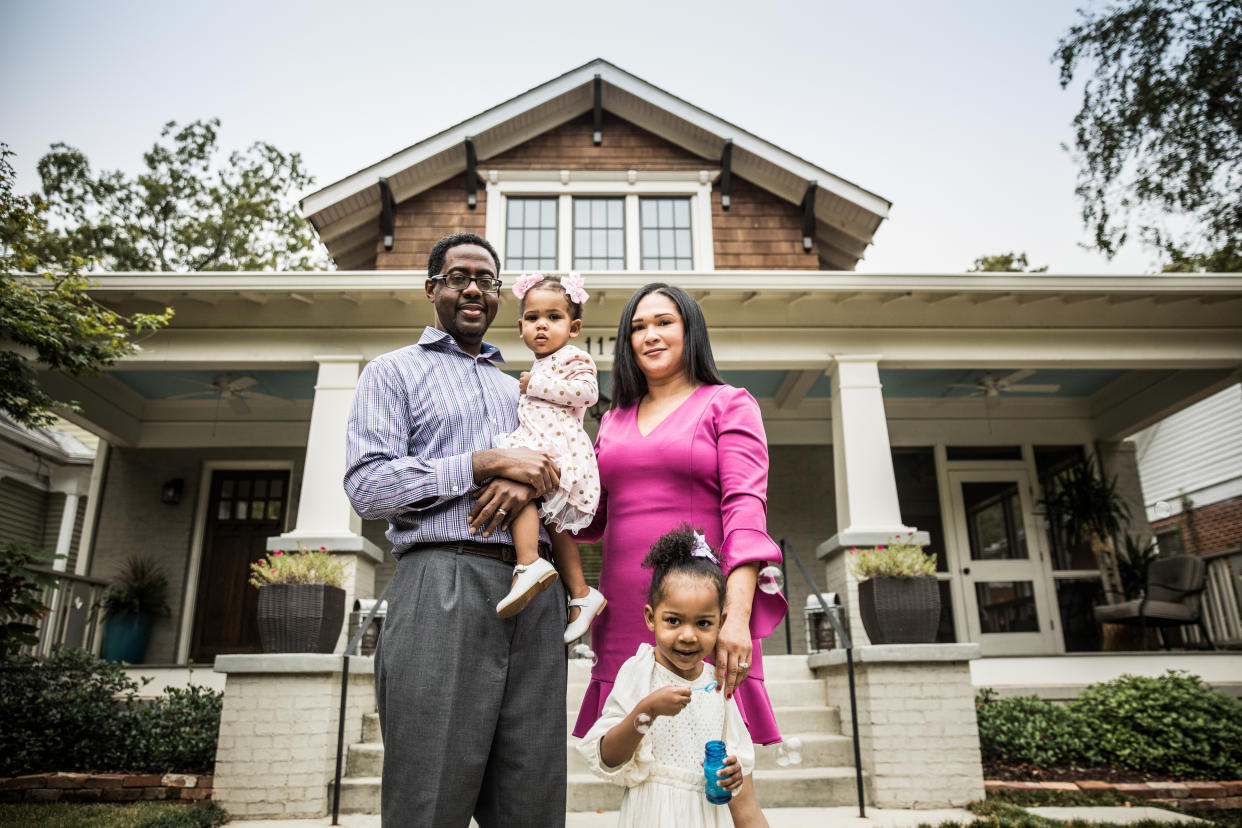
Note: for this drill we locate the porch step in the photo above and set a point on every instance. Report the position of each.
(786, 787)
(824, 778)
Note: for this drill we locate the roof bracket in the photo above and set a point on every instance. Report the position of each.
(388, 213)
(472, 175)
(726, 173)
(598, 135)
(808, 216)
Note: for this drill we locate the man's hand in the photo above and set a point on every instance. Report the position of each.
(497, 504)
(522, 465)
(524, 381)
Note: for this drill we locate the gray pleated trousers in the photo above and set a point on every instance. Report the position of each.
(471, 706)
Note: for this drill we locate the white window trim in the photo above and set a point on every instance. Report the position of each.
(631, 184)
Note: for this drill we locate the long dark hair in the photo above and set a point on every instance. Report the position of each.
(674, 552)
(628, 383)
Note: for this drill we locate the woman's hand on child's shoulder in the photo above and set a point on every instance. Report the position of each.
(667, 701)
(523, 381)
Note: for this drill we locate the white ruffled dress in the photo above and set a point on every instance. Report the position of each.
(664, 778)
(562, 386)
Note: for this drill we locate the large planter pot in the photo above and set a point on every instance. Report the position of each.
(900, 610)
(300, 618)
(125, 638)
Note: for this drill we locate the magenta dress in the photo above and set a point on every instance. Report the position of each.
(705, 464)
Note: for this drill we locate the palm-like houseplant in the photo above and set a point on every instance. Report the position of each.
(1084, 506)
(139, 596)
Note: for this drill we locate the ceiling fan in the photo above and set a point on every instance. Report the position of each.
(990, 385)
(232, 390)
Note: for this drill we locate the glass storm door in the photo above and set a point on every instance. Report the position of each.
(1000, 566)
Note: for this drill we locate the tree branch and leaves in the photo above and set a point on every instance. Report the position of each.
(184, 211)
(1158, 138)
(48, 321)
(1010, 262)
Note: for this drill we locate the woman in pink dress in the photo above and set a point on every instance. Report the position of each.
(681, 446)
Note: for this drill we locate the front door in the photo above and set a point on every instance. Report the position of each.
(999, 563)
(244, 509)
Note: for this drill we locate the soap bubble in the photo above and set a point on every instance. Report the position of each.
(771, 579)
(581, 655)
(642, 723)
(789, 752)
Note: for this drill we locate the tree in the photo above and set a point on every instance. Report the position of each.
(1227, 259)
(183, 212)
(49, 319)
(1005, 263)
(1158, 139)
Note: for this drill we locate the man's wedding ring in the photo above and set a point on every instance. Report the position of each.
(501, 512)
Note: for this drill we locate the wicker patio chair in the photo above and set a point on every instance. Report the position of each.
(1173, 599)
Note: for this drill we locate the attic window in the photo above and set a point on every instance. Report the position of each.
(607, 220)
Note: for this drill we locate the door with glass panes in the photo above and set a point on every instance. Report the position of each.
(999, 562)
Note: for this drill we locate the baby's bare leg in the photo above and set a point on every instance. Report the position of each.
(525, 531)
(744, 807)
(568, 566)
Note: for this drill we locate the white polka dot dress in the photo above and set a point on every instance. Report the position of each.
(664, 778)
(562, 387)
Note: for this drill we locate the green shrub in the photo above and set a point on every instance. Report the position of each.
(1172, 724)
(1027, 729)
(75, 712)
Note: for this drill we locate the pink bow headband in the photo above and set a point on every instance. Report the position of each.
(572, 283)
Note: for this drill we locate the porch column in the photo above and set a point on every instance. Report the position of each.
(325, 517)
(64, 539)
(866, 489)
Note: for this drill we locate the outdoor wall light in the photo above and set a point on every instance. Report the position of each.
(170, 492)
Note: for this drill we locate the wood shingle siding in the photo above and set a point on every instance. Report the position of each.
(423, 220)
(569, 147)
(758, 232)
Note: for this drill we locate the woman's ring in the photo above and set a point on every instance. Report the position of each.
(745, 665)
(501, 512)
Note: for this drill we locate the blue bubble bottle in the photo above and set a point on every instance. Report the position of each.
(713, 760)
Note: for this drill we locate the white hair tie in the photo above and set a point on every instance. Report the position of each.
(702, 550)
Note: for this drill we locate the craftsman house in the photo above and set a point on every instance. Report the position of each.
(936, 402)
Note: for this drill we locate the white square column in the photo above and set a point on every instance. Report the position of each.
(866, 490)
(325, 517)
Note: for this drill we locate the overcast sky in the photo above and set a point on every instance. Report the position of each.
(951, 110)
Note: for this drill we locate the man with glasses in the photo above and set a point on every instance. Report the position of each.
(472, 706)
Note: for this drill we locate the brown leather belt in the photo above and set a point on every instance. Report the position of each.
(500, 551)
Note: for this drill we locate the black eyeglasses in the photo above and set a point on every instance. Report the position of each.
(461, 281)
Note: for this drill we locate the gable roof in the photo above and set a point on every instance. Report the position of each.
(345, 213)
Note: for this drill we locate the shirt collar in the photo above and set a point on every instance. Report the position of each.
(436, 337)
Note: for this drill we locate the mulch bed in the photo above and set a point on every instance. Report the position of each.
(1010, 772)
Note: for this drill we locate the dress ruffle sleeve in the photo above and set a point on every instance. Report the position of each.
(572, 385)
(742, 447)
(738, 740)
(633, 680)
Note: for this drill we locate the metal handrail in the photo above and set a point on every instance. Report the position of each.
(340, 722)
(833, 611)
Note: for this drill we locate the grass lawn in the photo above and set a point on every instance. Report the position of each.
(111, 815)
(1004, 809)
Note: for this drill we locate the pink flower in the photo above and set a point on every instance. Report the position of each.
(278, 552)
(323, 549)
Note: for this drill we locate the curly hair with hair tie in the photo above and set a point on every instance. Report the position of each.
(682, 551)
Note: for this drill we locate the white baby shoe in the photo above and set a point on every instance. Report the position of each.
(531, 580)
(589, 607)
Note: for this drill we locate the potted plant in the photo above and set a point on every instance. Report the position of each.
(301, 602)
(139, 596)
(898, 594)
(1084, 507)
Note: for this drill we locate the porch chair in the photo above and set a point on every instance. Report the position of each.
(1173, 599)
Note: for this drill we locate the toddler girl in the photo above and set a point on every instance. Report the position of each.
(662, 709)
(559, 387)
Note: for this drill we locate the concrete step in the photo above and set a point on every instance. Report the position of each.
(786, 787)
(818, 751)
(782, 692)
(792, 721)
(371, 728)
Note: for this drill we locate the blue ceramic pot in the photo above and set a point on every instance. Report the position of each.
(125, 638)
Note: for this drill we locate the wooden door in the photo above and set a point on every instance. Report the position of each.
(245, 508)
